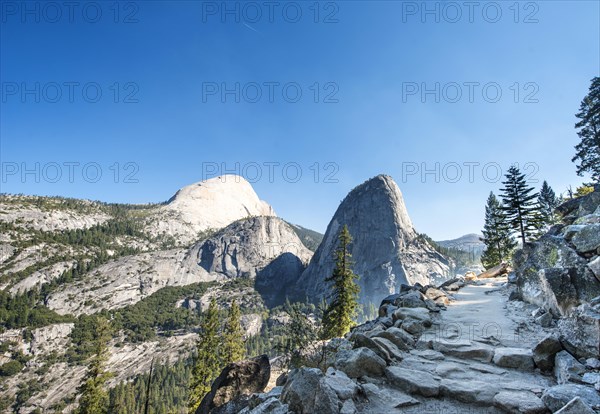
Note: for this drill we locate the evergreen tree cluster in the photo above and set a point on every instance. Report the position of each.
(215, 349)
(25, 310)
(168, 393)
(520, 212)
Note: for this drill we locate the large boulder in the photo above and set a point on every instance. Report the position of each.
(551, 274)
(307, 391)
(587, 239)
(558, 396)
(556, 272)
(580, 332)
(413, 381)
(567, 368)
(386, 249)
(544, 352)
(518, 358)
(399, 337)
(360, 362)
(237, 380)
(576, 406)
(524, 402)
(579, 207)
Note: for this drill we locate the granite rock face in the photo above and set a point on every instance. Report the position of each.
(211, 204)
(558, 273)
(386, 249)
(247, 246)
(241, 250)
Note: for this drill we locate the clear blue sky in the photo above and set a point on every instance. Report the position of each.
(369, 56)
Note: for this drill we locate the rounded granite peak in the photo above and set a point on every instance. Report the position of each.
(210, 204)
(386, 249)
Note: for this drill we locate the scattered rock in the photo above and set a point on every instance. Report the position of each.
(391, 349)
(545, 320)
(544, 352)
(524, 402)
(469, 391)
(428, 354)
(420, 314)
(580, 332)
(464, 349)
(413, 326)
(567, 368)
(587, 239)
(576, 406)
(381, 399)
(399, 337)
(270, 406)
(558, 396)
(592, 363)
(518, 358)
(591, 378)
(348, 407)
(594, 266)
(359, 362)
(343, 386)
(363, 341)
(413, 382)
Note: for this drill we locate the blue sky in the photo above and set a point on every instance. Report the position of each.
(365, 63)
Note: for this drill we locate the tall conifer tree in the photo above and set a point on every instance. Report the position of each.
(496, 234)
(548, 202)
(94, 397)
(588, 149)
(520, 205)
(341, 311)
(207, 365)
(233, 336)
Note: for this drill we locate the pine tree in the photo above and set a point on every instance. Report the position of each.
(94, 398)
(340, 314)
(588, 149)
(299, 333)
(207, 364)
(496, 234)
(233, 337)
(520, 205)
(548, 202)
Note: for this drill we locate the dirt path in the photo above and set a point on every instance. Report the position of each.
(481, 312)
(455, 367)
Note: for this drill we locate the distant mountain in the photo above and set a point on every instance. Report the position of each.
(467, 243)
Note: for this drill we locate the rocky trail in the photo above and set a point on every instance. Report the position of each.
(475, 358)
(463, 347)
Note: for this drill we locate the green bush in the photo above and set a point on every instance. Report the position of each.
(10, 368)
